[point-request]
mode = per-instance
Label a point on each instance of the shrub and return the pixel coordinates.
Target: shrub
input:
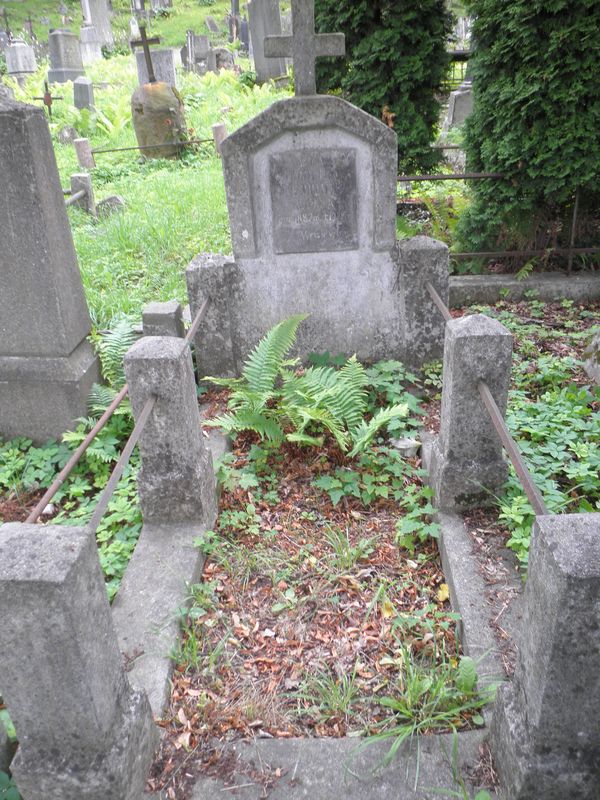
(395, 57)
(536, 120)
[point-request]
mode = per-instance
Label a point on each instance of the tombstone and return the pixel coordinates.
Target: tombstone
(97, 13)
(460, 105)
(47, 366)
(163, 62)
(83, 731)
(20, 60)
(195, 53)
(83, 93)
(264, 20)
(311, 195)
(245, 35)
(224, 59)
(65, 57)
(90, 44)
(211, 24)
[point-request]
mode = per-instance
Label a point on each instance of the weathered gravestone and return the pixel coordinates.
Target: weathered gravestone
(90, 44)
(97, 14)
(460, 106)
(163, 62)
(311, 194)
(65, 57)
(264, 20)
(20, 60)
(47, 366)
(212, 25)
(195, 53)
(83, 93)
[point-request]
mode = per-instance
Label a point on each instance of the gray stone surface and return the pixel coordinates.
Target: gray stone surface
(84, 734)
(321, 769)
(304, 46)
(110, 205)
(65, 57)
(99, 17)
(544, 732)
(467, 464)
(83, 92)
(550, 286)
(591, 358)
(176, 482)
(194, 54)
(212, 25)
(311, 194)
(85, 157)
(460, 106)
(20, 60)
(163, 62)
(82, 182)
(163, 319)
(90, 45)
(47, 366)
(264, 20)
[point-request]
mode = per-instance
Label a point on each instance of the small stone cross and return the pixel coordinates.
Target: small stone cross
(304, 46)
(48, 99)
(145, 43)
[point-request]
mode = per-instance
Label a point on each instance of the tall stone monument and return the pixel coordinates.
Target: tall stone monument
(47, 366)
(264, 20)
(311, 194)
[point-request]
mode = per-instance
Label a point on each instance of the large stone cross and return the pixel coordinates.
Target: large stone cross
(304, 46)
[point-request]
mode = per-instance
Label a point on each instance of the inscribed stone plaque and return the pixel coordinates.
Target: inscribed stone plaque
(314, 200)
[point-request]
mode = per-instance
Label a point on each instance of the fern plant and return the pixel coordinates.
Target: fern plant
(276, 401)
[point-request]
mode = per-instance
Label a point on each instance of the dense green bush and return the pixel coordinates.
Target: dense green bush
(395, 57)
(536, 120)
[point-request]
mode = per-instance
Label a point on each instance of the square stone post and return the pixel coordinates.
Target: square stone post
(84, 734)
(47, 366)
(176, 482)
(467, 464)
(163, 319)
(544, 733)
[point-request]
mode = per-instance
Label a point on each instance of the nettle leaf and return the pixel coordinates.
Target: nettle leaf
(466, 678)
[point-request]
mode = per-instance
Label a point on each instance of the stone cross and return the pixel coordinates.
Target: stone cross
(145, 43)
(304, 46)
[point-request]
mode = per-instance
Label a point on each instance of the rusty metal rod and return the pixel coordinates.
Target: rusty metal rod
(192, 330)
(76, 456)
(531, 490)
(443, 309)
(516, 253)
(150, 146)
(110, 487)
(573, 230)
(75, 197)
(462, 176)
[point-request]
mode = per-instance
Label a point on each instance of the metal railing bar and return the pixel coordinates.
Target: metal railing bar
(531, 490)
(193, 329)
(73, 460)
(108, 490)
(516, 253)
(442, 308)
(455, 176)
(150, 146)
(74, 197)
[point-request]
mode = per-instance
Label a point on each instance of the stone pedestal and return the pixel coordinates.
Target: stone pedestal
(163, 62)
(176, 482)
(20, 60)
(83, 93)
(158, 120)
(467, 464)
(65, 57)
(47, 366)
(90, 44)
(264, 20)
(544, 732)
(163, 319)
(84, 734)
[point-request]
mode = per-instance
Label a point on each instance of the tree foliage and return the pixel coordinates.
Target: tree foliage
(395, 57)
(536, 120)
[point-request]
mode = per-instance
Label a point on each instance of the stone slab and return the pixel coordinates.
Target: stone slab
(550, 286)
(320, 769)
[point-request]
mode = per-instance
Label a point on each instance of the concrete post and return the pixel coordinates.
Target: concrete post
(544, 732)
(219, 130)
(176, 482)
(81, 181)
(84, 734)
(163, 319)
(423, 259)
(47, 366)
(83, 150)
(467, 463)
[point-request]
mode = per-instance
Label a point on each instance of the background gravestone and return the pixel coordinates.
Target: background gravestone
(47, 366)
(20, 60)
(264, 20)
(65, 57)
(90, 44)
(83, 93)
(97, 13)
(163, 62)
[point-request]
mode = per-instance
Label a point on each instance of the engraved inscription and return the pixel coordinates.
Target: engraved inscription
(314, 200)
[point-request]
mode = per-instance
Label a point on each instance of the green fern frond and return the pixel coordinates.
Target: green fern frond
(265, 361)
(112, 346)
(303, 438)
(364, 433)
(245, 420)
(228, 383)
(303, 416)
(350, 400)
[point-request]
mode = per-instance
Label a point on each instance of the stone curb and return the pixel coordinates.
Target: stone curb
(548, 286)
